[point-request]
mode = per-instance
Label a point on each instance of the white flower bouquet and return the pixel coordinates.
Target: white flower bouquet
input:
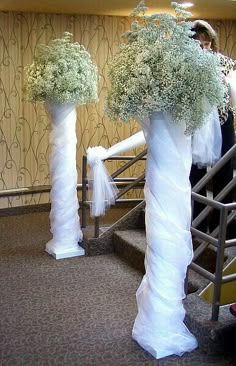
(62, 72)
(161, 68)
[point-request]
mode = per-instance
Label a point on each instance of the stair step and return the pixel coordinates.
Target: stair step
(141, 219)
(130, 245)
(214, 337)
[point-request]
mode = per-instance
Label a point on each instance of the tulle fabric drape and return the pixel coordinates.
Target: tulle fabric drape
(159, 326)
(231, 81)
(103, 190)
(207, 141)
(64, 219)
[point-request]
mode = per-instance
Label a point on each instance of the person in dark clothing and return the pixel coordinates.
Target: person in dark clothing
(206, 35)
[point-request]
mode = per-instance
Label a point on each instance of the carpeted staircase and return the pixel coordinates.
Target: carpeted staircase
(128, 240)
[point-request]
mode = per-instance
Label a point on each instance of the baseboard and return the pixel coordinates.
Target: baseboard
(21, 210)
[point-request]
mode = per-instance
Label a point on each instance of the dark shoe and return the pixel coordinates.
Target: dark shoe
(232, 309)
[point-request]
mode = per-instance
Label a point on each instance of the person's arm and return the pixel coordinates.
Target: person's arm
(231, 82)
(228, 68)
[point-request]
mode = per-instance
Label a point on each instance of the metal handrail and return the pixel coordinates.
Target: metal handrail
(129, 164)
(207, 177)
(129, 184)
(221, 243)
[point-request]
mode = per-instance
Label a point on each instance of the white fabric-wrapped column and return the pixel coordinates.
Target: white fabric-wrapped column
(64, 219)
(159, 326)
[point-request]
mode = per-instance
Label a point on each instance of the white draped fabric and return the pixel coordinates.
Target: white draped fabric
(64, 219)
(231, 81)
(103, 189)
(159, 326)
(207, 142)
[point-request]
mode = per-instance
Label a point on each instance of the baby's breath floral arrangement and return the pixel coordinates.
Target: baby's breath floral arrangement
(161, 68)
(61, 72)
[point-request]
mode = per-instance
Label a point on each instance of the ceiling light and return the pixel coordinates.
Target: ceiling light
(188, 5)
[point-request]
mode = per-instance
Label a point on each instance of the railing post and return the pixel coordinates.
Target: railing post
(219, 263)
(186, 282)
(84, 191)
(134, 183)
(96, 227)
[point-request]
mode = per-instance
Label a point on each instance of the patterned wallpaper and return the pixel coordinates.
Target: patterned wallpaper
(24, 127)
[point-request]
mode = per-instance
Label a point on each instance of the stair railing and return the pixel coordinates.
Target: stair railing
(126, 184)
(227, 215)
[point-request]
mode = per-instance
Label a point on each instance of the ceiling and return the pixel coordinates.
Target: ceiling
(208, 9)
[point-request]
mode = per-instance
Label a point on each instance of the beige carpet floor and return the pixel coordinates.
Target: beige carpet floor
(70, 312)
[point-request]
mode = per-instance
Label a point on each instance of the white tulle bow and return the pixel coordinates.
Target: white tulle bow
(103, 189)
(102, 186)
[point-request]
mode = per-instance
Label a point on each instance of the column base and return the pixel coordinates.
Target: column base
(62, 253)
